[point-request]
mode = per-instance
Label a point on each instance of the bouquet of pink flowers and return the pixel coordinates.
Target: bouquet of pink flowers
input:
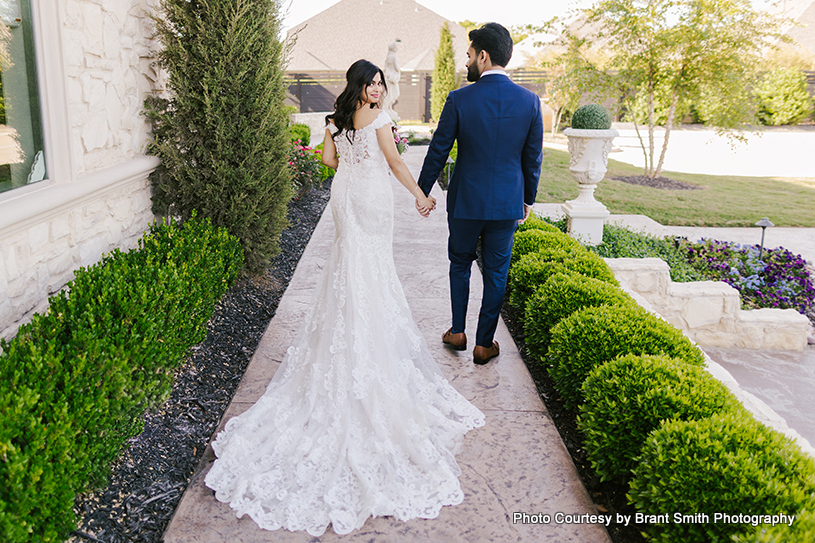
(401, 142)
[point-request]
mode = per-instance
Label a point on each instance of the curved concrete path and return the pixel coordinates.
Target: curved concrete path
(517, 463)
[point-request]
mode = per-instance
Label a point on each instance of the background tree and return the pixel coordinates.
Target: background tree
(572, 66)
(668, 55)
(222, 135)
(783, 97)
(444, 73)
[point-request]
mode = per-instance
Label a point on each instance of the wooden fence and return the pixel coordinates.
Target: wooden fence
(316, 91)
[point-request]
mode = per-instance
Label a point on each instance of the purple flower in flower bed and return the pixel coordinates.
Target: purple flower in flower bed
(779, 279)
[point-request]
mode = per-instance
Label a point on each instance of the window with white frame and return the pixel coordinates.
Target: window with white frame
(22, 160)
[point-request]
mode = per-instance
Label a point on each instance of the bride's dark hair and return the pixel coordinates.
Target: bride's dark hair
(359, 75)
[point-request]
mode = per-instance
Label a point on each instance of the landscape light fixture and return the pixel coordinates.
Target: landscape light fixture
(763, 223)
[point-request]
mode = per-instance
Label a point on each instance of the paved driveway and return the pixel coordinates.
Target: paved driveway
(774, 152)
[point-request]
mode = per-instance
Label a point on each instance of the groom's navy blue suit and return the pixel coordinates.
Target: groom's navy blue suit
(500, 147)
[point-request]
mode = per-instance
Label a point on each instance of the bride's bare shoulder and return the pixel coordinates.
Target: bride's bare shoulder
(365, 116)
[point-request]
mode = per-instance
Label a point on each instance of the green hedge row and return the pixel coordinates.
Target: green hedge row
(76, 381)
(651, 415)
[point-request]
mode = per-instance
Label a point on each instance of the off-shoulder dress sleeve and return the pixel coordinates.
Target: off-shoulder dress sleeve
(381, 120)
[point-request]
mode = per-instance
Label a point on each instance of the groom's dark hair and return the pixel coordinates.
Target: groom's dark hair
(495, 40)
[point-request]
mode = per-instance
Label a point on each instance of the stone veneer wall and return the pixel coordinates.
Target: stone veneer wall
(108, 65)
(709, 312)
(94, 60)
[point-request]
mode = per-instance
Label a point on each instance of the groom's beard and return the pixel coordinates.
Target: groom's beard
(473, 74)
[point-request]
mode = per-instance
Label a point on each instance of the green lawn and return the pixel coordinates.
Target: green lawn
(723, 201)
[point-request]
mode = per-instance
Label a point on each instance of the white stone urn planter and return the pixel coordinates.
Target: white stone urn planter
(588, 150)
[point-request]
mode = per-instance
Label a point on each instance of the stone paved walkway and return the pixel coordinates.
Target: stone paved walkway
(516, 463)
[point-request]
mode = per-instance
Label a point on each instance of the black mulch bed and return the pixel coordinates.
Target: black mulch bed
(609, 497)
(657, 182)
(150, 477)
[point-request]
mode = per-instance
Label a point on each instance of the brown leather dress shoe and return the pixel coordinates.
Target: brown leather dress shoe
(456, 341)
(482, 355)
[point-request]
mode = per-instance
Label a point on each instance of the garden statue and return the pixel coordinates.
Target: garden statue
(589, 144)
(392, 76)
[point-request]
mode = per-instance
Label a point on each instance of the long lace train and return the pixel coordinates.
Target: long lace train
(359, 420)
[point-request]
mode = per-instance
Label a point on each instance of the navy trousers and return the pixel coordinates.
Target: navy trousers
(496, 250)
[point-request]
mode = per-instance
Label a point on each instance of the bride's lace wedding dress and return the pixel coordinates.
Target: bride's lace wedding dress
(358, 421)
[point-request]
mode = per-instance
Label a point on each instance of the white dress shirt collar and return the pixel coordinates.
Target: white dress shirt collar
(494, 71)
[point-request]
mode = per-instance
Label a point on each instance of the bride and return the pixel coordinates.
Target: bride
(358, 421)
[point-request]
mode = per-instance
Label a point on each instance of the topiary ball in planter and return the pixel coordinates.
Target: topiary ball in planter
(591, 117)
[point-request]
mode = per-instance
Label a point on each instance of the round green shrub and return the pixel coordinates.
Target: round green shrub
(533, 222)
(560, 296)
(594, 335)
(531, 271)
(534, 269)
(591, 117)
(300, 132)
(783, 97)
(627, 398)
(729, 464)
(532, 241)
(802, 529)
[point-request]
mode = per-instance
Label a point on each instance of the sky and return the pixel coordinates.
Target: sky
(508, 12)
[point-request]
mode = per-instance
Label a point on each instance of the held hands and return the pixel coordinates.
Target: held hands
(424, 204)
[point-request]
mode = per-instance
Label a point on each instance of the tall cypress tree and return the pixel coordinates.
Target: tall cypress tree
(444, 73)
(222, 135)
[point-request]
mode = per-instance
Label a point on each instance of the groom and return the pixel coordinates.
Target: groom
(500, 147)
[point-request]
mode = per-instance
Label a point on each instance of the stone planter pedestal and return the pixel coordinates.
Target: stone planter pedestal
(588, 150)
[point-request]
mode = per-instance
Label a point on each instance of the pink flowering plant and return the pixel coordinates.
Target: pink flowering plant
(400, 141)
(305, 165)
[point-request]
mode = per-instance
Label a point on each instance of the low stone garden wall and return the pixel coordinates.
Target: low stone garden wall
(709, 312)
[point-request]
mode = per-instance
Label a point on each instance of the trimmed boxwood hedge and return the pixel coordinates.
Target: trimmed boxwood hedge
(533, 222)
(802, 530)
(76, 381)
(560, 296)
(728, 464)
(534, 269)
(594, 335)
(533, 240)
(627, 398)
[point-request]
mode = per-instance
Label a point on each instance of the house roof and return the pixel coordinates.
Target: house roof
(350, 30)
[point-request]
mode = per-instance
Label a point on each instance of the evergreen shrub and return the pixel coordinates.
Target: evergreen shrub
(300, 132)
(620, 242)
(802, 530)
(76, 381)
(533, 240)
(534, 269)
(533, 222)
(560, 296)
(783, 97)
(594, 335)
(223, 134)
(591, 117)
(727, 463)
(627, 398)
(444, 73)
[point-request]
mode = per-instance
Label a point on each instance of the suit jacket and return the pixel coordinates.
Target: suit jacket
(499, 130)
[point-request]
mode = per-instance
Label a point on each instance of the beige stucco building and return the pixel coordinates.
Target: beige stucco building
(76, 186)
